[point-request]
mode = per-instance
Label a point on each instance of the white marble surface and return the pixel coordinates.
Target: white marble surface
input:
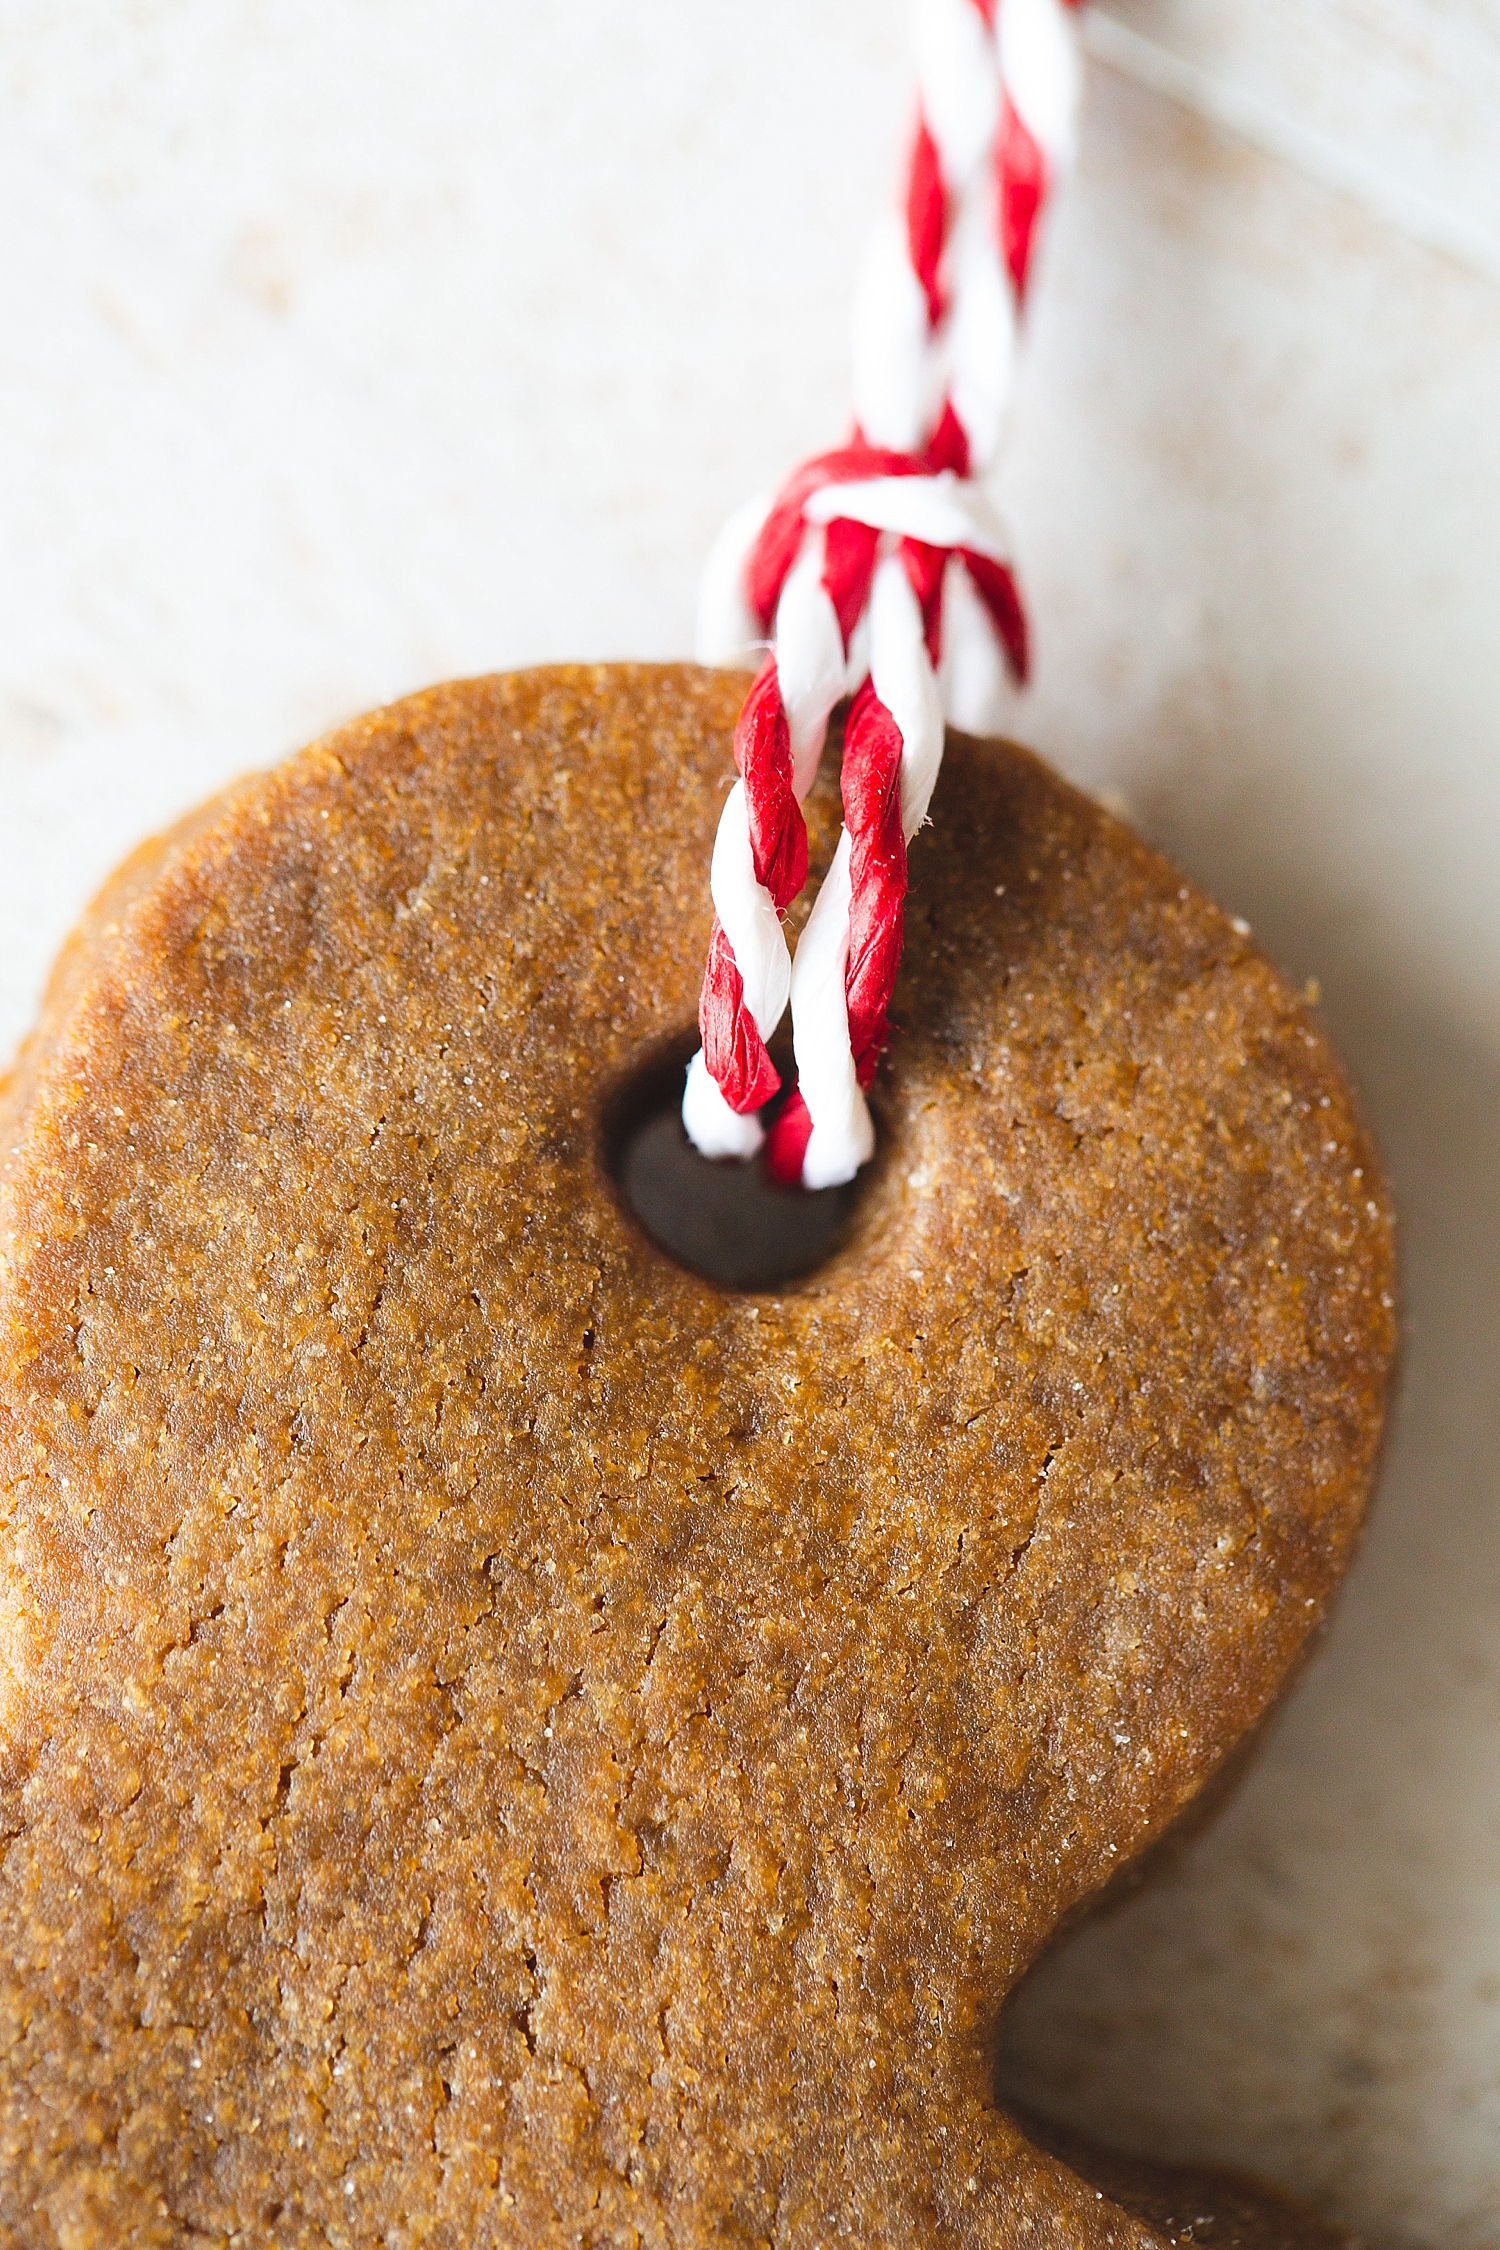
(348, 343)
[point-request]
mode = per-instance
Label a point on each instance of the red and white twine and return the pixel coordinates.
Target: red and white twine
(878, 572)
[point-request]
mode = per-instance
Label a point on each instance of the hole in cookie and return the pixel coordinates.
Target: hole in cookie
(731, 1223)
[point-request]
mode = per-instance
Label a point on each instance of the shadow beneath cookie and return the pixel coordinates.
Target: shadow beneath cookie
(1311, 1990)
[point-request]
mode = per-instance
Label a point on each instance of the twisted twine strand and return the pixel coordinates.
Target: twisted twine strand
(879, 573)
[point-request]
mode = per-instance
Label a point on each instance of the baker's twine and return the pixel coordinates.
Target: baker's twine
(878, 572)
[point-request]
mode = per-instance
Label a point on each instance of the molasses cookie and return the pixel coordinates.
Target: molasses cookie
(505, 1742)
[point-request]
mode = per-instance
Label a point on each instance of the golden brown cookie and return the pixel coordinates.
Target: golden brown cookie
(508, 1743)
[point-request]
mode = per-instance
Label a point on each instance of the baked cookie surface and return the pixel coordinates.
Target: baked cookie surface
(506, 1743)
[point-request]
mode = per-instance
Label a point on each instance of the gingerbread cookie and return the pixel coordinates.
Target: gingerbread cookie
(508, 1743)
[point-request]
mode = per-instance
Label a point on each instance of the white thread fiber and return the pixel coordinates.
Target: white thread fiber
(902, 676)
(945, 510)
(1040, 64)
(972, 676)
(809, 658)
(842, 1137)
(958, 80)
(727, 629)
(895, 377)
(977, 345)
(712, 1126)
(751, 922)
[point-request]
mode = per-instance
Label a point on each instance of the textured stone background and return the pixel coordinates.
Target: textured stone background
(347, 343)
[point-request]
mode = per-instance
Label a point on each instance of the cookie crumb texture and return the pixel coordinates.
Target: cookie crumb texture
(504, 1743)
